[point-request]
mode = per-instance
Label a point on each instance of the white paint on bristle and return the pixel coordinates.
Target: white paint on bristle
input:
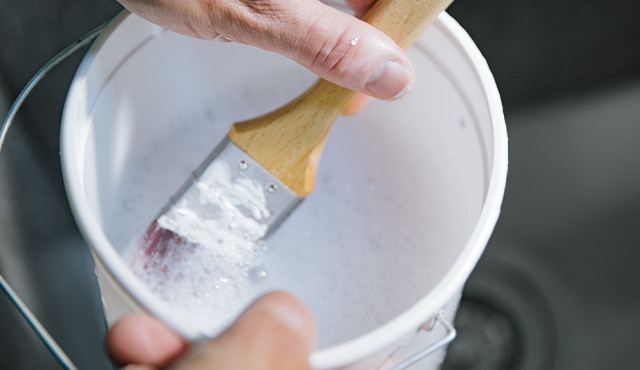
(216, 190)
(212, 269)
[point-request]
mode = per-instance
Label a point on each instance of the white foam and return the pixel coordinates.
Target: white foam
(210, 208)
(399, 188)
(209, 271)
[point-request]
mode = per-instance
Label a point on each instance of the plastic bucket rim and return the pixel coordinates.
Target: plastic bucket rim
(357, 348)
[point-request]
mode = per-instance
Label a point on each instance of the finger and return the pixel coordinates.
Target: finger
(330, 43)
(359, 6)
(350, 52)
(358, 103)
(277, 332)
(141, 339)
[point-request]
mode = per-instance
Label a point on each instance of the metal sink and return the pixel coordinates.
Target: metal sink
(557, 285)
(46, 262)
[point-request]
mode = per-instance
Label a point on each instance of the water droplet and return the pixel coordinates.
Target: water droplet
(243, 165)
(354, 41)
(258, 274)
(272, 188)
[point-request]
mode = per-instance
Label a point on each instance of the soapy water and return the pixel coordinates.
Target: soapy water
(202, 256)
(344, 253)
(208, 283)
(387, 220)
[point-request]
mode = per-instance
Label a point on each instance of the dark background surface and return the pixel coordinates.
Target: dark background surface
(558, 285)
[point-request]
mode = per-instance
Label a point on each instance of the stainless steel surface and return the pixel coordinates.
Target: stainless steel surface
(46, 262)
(558, 285)
(42, 254)
(31, 319)
(244, 174)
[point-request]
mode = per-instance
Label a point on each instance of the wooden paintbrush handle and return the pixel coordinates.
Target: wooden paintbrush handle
(288, 142)
(404, 20)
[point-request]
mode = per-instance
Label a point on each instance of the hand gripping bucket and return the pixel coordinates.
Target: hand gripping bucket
(407, 195)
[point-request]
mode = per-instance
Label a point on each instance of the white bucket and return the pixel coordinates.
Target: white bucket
(408, 192)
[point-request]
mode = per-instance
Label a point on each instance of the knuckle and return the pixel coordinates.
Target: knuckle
(337, 52)
(204, 20)
(220, 18)
(263, 7)
(249, 21)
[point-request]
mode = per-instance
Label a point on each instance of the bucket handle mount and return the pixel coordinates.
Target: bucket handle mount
(450, 335)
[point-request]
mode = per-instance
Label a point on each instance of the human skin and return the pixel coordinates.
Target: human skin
(276, 332)
(315, 35)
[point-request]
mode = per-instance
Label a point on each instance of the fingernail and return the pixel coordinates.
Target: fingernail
(290, 315)
(391, 80)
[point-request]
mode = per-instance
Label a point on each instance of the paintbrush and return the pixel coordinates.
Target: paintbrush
(265, 166)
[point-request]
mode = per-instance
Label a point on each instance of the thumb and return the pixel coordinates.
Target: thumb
(340, 48)
(330, 43)
(277, 332)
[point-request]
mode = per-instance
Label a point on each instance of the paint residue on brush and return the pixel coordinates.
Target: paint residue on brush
(206, 265)
(215, 190)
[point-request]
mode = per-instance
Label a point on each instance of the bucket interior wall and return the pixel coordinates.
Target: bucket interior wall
(400, 186)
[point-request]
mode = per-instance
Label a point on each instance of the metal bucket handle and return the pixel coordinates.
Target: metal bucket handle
(450, 335)
(450, 331)
(32, 320)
